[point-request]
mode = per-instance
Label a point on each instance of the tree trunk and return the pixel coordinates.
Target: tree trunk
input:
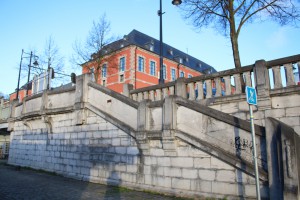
(234, 43)
(235, 50)
(233, 36)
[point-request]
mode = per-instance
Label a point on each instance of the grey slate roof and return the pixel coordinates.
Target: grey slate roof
(144, 41)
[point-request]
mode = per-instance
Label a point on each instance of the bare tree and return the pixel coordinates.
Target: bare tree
(229, 16)
(93, 48)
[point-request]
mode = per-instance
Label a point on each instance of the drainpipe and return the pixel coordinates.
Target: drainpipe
(178, 65)
(135, 67)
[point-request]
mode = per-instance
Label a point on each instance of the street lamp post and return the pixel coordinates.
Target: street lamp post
(17, 96)
(29, 66)
(160, 13)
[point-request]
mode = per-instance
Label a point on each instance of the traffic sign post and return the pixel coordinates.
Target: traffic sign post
(252, 100)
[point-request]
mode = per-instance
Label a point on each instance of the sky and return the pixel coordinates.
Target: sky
(27, 24)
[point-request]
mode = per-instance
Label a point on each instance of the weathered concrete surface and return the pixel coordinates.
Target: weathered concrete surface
(105, 137)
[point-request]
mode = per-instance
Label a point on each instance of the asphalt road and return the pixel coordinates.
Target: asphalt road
(22, 183)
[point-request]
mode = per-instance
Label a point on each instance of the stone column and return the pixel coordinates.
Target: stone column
(169, 126)
(143, 126)
(81, 97)
(262, 83)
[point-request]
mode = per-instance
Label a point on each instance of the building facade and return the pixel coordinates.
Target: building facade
(134, 59)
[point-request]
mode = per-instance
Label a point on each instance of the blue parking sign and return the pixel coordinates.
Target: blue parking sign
(251, 95)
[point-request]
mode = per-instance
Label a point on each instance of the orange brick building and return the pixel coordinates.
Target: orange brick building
(22, 93)
(135, 60)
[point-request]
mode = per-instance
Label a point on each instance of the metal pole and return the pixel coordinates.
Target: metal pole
(28, 73)
(18, 87)
(161, 70)
(254, 153)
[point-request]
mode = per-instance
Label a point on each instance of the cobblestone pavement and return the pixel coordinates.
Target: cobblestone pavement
(30, 184)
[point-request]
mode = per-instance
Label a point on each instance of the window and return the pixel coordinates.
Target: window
(104, 71)
(190, 76)
(122, 78)
(152, 68)
(141, 64)
(173, 74)
(164, 72)
(122, 64)
(181, 74)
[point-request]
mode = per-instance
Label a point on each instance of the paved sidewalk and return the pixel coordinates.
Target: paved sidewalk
(30, 184)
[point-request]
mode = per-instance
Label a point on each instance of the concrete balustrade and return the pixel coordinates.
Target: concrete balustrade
(220, 84)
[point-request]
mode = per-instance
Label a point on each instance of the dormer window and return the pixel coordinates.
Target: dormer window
(186, 59)
(180, 60)
(151, 47)
(170, 51)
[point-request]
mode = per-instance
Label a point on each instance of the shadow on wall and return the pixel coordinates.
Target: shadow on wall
(87, 156)
(242, 144)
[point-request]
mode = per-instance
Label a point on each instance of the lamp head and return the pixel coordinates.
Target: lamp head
(35, 63)
(176, 2)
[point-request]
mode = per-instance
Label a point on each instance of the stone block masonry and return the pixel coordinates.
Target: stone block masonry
(93, 151)
(100, 152)
(173, 146)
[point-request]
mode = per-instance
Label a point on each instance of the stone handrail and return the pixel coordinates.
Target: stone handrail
(220, 83)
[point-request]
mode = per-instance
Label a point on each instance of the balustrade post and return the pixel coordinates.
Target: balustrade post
(165, 92)
(227, 85)
(247, 76)
(199, 86)
(151, 95)
(208, 89)
(140, 96)
(180, 87)
(218, 87)
(290, 79)
(146, 95)
(237, 82)
(277, 77)
(158, 95)
(134, 97)
(192, 95)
